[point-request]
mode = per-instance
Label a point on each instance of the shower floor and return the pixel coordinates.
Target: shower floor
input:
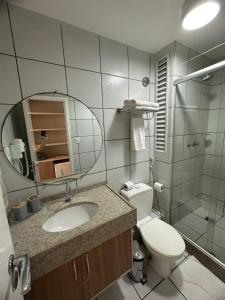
(195, 226)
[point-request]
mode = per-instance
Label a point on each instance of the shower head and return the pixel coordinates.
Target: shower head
(207, 77)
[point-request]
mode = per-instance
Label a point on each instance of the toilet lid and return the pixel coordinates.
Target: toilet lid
(162, 238)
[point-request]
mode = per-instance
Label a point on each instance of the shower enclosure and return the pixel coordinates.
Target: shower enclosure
(198, 163)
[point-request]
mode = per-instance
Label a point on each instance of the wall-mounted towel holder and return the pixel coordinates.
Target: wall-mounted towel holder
(144, 111)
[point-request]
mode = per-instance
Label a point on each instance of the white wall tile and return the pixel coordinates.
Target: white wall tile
(163, 173)
(138, 91)
(193, 94)
(188, 169)
(139, 63)
(90, 179)
(116, 124)
(187, 191)
(179, 119)
(177, 169)
(9, 81)
(181, 56)
(100, 163)
(140, 172)
(181, 94)
(36, 36)
(115, 91)
(81, 48)
(114, 58)
(12, 179)
(178, 142)
(117, 153)
(6, 45)
(21, 195)
(37, 77)
(85, 86)
(117, 177)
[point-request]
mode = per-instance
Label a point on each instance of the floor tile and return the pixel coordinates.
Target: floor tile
(165, 290)
(121, 290)
(221, 223)
(195, 222)
(186, 230)
(179, 260)
(153, 280)
(196, 282)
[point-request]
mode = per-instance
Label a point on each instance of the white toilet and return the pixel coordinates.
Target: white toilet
(164, 243)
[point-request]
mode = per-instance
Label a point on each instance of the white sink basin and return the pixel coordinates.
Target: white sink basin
(70, 217)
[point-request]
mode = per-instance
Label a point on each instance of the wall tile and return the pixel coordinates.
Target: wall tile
(188, 169)
(91, 179)
(6, 45)
(114, 58)
(100, 163)
(85, 86)
(116, 124)
(138, 91)
(179, 118)
(21, 195)
(117, 177)
(37, 77)
(117, 153)
(187, 191)
(36, 36)
(115, 91)
(9, 81)
(140, 172)
(81, 48)
(181, 56)
(193, 94)
(13, 180)
(139, 63)
(163, 173)
(178, 148)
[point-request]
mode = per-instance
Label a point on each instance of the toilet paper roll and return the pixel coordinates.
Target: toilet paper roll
(158, 187)
(129, 185)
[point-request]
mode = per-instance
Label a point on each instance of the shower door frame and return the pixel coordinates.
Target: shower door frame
(212, 210)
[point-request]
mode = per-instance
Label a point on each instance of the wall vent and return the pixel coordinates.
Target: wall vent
(161, 99)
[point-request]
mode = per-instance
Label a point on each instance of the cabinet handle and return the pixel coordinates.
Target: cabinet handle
(75, 269)
(87, 262)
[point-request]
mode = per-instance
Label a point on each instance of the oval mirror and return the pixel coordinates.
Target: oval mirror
(49, 136)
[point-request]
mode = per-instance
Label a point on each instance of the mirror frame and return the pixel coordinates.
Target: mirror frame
(62, 179)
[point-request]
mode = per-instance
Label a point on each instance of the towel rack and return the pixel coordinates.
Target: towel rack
(119, 110)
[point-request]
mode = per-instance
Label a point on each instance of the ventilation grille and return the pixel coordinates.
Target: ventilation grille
(161, 99)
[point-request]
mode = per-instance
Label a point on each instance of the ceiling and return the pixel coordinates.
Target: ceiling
(145, 24)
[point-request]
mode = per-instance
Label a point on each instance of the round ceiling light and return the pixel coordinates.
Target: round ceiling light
(197, 14)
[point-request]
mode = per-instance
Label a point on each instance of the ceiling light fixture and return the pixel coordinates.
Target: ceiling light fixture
(198, 13)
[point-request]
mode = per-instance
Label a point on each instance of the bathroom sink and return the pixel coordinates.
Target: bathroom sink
(70, 217)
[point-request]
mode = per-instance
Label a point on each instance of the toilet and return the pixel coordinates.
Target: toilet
(163, 242)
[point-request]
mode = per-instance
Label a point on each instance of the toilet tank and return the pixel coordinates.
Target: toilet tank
(141, 197)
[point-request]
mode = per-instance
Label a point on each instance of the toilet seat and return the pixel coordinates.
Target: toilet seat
(162, 238)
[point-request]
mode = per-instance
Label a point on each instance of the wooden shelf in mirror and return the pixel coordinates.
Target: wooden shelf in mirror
(55, 144)
(60, 157)
(49, 129)
(45, 114)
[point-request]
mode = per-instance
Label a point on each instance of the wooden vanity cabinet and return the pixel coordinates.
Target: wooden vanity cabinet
(86, 275)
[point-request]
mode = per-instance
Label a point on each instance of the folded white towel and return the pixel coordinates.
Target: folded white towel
(137, 134)
(137, 103)
(144, 108)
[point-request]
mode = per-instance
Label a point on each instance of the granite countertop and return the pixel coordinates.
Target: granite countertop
(49, 250)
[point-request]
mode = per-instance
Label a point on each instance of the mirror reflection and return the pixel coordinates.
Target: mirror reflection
(49, 136)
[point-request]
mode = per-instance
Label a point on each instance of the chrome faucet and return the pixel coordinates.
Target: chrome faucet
(69, 194)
